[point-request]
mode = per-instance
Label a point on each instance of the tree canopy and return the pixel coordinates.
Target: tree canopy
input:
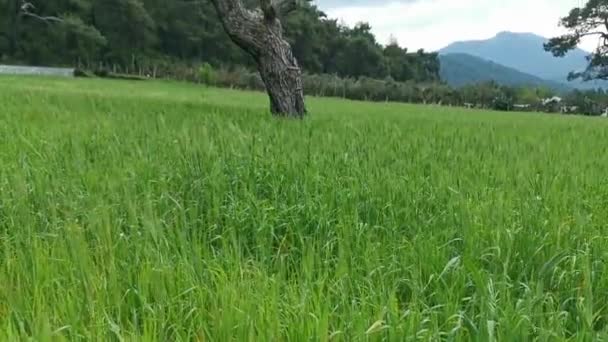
(590, 20)
(143, 33)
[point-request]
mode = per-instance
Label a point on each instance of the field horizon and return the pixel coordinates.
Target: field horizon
(160, 211)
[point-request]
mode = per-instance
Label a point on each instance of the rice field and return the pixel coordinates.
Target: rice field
(160, 211)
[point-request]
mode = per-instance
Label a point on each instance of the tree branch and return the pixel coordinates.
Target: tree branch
(26, 10)
(597, 33)
(240, 23)
(284, 7)
(274, 8)
(228, 6)
(45, 19)
(268, 9)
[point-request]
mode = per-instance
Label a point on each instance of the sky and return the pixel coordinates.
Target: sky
(433, 24)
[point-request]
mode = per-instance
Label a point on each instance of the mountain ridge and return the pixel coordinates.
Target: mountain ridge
(524, 52)
(458, 69)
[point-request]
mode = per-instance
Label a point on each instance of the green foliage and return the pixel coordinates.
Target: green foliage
(590, 20)
(160, 211)
(206, 74)
(127, 26)
(140, 36)
(458, 69)
(488, 95)
(80, 41)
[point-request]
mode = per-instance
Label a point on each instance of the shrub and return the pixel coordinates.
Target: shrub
(102, 72)
(206, 74)
(82, 73)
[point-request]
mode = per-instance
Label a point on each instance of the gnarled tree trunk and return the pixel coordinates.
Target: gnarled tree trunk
(259, 32)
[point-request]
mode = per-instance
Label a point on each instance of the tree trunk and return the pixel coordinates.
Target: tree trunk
(259, 32)
(283, 80)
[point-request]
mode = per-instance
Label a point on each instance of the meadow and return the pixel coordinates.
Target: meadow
(160, 211)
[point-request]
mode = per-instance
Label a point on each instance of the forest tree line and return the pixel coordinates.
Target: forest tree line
(174, 38)
(484, 95)
(153, 36)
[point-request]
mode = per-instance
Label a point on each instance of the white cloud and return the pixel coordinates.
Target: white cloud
(433, 24)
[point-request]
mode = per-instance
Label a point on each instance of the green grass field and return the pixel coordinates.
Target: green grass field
(160, 211)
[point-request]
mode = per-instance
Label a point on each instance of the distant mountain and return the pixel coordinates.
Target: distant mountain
(459, 69)
(524, 52)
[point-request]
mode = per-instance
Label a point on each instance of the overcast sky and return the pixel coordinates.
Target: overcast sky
(433, 24)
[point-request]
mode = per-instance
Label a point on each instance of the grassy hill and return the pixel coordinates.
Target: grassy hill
(461, 69)
(159, 211)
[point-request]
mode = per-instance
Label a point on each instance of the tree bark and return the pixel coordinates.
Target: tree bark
(259, 32)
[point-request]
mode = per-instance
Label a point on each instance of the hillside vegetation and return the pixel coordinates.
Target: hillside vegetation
(160, 211)
(523, 52)
(460, 69)
(173, 38)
